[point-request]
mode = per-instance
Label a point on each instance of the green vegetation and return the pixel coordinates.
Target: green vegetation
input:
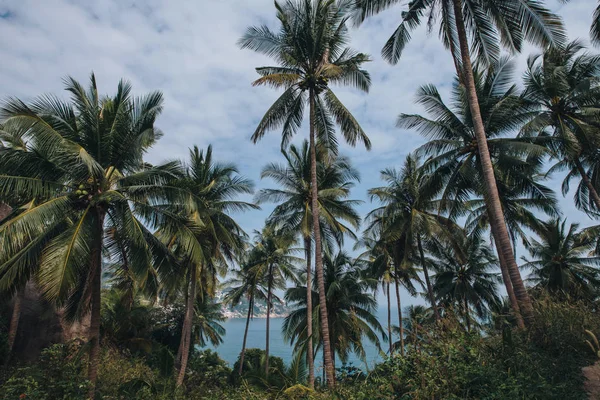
(121, 263)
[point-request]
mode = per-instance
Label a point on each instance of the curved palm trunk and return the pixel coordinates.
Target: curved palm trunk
(586, 181)
(186, 331)
(400, 322)
(309, 342)
(389, 316)
(96, 286)
(497, 223)
(250, 307)
(436, 312)
(269, 289)
(329, 368)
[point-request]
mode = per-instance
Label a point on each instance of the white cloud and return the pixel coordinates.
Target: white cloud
(188, 50)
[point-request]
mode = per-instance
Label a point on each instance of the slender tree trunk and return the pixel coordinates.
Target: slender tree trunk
(329, 368)
(186, 331)
(309, 342)
(180, 347)
(511, 293)
(14, 320)
(497, 222)
(588, 183)
(96, 287)
(269, 289)
(389, 317)
(467, 318)
(400, 322)
(436, 313)
(250, 307)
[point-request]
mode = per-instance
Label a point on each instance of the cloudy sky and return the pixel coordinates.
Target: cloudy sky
(187, 49)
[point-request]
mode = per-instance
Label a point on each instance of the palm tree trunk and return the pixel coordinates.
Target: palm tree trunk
(329, 368)
(309, 343)
(467, 318)
(96, 287)
(389, 316)
(186, 331)
(400, 322)
(497, 223)
(269, 289)
(588, 183)
(250, 307)
(14, 319)
(511, 293)
(436, 313)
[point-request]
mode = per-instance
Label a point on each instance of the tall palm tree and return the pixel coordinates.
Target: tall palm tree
(245, 284)
(455, 161)
(211, 236)
(489, 26)
(311, 51)
(410, 213)
(272, 259)
(564, 85)
(463, 275)
(561, 261)
(335, 178)
(351, 307)
(83, 177)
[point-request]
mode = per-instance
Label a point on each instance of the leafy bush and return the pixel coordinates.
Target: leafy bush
(207, 374)
(57, 375)
(254, 370)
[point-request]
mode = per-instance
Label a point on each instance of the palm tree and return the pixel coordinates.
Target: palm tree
(272, 259)
(350, 305)
(455, 159)
(561, 261)
(212, 236)
(489, 26)
(311, 51)
(384, 260)
(245, 284)
(463, 276)
(207, 321)
(418, 319)
(564, 85)
(335, 178)
(409, 214)
(380, 265)
(82, 176)
(11, 139)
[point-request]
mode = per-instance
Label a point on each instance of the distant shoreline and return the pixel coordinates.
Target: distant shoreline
(262, 316)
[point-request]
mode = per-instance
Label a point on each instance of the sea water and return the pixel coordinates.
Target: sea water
(230, 349)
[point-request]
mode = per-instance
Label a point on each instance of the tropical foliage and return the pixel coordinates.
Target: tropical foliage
(116, 274)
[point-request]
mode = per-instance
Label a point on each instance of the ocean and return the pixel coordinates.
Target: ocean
(230, 349)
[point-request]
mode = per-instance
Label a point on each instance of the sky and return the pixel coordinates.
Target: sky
(187, 50)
